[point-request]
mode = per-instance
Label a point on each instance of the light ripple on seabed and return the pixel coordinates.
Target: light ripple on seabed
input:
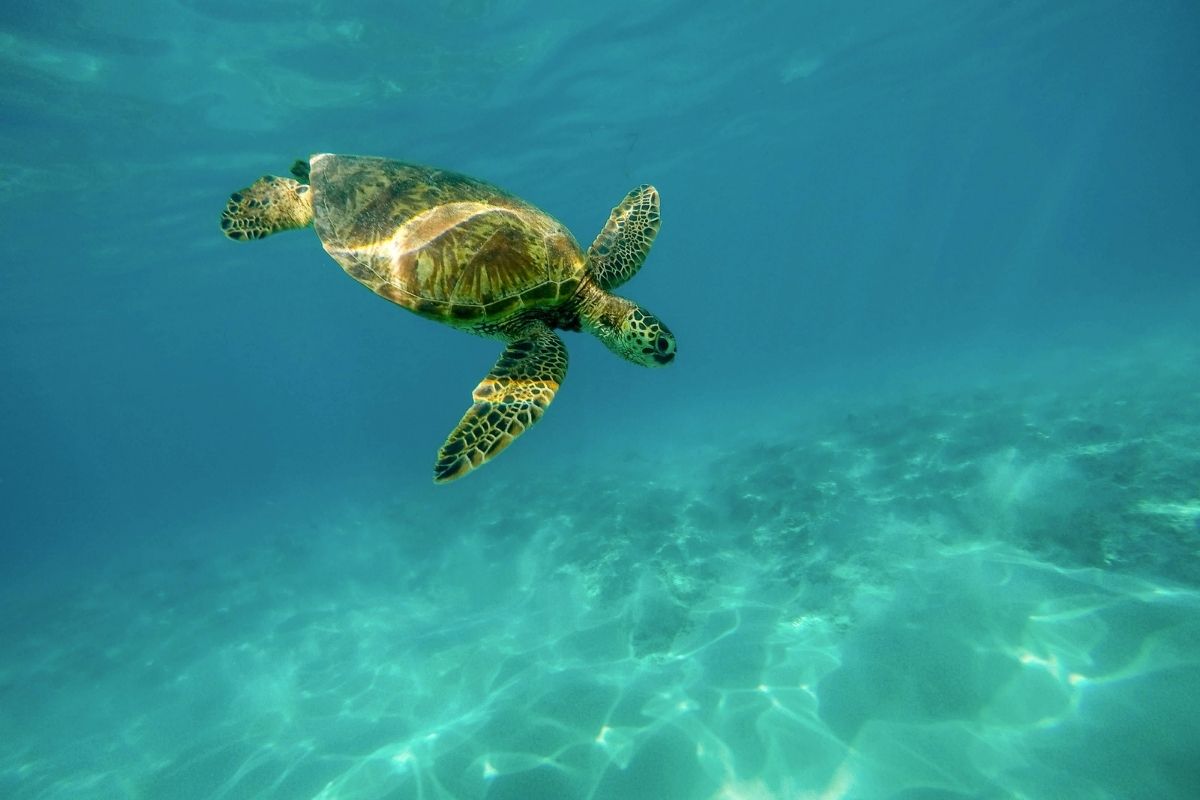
(974, 595)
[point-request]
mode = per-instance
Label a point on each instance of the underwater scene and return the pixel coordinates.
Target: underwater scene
(875, 476)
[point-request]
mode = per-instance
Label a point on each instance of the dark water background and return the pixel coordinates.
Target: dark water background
(870, 211)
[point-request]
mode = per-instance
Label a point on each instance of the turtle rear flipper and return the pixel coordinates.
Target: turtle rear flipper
(621, 247)
(507, 402)
(267, 206)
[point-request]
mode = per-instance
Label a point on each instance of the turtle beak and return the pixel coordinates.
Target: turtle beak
(664, 348)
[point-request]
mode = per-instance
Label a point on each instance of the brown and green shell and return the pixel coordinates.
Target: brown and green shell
(441, 244)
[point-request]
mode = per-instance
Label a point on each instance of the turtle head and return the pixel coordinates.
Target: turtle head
(267, 206)
(631, 331)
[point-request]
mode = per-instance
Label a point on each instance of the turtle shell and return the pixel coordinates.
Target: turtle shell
(441, 244)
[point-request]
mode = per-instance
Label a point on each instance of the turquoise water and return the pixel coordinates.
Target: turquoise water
(914, 515)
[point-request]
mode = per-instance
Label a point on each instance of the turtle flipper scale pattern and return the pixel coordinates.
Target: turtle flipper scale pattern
(508, 401)
(622, 246)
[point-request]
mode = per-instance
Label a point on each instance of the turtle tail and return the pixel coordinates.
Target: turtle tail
(267, 206)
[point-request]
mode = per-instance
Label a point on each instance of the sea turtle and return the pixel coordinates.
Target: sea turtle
(460, 251)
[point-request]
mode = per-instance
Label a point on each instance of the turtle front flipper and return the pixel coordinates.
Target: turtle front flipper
(621, 247)
(507, 402)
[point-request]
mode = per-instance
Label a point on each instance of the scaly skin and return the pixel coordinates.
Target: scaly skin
(267, 206)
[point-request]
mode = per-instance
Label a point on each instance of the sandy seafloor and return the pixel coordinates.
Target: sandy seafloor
(987, 589)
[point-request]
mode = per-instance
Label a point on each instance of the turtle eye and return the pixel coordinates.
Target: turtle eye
(662, 344)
